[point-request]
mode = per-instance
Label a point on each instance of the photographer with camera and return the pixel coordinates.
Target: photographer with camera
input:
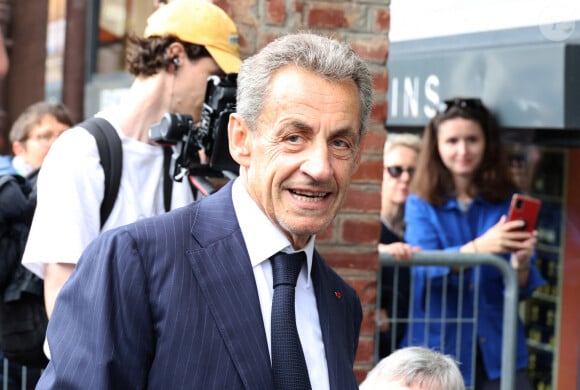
(184, 43)
(201, 148)
(230, 292)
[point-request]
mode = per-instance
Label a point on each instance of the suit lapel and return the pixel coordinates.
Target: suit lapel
(223, 270)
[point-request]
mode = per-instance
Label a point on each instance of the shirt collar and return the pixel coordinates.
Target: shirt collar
(263, 239)
(453, 203)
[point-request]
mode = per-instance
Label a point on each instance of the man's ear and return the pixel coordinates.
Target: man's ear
(240, 139)
(174, 57)
(18, 148)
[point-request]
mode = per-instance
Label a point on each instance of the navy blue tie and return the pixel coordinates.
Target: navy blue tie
(288, 363)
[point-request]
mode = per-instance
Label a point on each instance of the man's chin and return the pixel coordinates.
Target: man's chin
(308, 228)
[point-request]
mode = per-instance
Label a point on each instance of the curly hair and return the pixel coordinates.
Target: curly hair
(147, 56)
(492, 180)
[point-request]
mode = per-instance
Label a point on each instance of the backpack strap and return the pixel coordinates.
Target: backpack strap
(111, 155)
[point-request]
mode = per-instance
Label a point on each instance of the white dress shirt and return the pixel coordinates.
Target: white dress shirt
(263, 239)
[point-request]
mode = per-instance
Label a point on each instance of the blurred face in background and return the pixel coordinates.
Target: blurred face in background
(461, 145)
(34, 148)
(398, 168)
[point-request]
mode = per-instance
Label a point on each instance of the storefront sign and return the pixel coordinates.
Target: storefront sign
(527, 86)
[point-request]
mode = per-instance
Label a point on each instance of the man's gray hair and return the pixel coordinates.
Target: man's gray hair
(327, 57)
(416, 366)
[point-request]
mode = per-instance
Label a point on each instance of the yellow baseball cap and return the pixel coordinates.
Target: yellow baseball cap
(202, 23)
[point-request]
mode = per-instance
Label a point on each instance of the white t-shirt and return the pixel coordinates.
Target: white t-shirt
(71, 189)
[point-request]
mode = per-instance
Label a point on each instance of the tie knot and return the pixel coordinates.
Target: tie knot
(286, 267)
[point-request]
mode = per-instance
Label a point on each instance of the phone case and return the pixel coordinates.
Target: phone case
(525, 208)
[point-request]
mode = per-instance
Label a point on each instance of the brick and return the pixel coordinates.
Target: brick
(360, 231)
(327, 18)
(382, 19)
(371, 200)
(368, 171)
(368, 323)
(340, 16)
(265, 37)
(381, 81)
(373, 50)
(374, 143)
(365, 286)
(365, 351)
(347, 260)
(275, 12)
(379, 112)
(299, 6)
(225, 5)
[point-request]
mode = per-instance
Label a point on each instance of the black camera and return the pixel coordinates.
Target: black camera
(201, 148)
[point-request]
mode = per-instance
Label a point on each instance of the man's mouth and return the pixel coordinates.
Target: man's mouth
(309, 196)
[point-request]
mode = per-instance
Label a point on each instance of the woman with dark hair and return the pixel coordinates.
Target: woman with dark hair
(460, 196)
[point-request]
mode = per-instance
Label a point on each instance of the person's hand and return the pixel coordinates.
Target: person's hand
(520, 259)
(399, 250)
(384, 321)
(504, 237)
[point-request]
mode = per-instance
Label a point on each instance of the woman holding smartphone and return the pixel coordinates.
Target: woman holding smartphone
(460, 197)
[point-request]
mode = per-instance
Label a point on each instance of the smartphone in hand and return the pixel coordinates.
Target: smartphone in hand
(524, 208)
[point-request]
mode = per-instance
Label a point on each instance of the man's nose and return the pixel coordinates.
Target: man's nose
(317, 162)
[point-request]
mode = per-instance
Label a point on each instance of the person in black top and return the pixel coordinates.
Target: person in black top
(399, 158)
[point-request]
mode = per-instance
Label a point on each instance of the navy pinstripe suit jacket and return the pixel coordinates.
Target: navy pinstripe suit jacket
(171, 302)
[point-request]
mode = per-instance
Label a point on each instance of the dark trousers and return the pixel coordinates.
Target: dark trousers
(482, 382)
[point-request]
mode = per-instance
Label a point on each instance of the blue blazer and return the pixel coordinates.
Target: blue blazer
(170, 302)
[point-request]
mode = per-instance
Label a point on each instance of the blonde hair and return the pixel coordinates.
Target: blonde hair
(409, 140)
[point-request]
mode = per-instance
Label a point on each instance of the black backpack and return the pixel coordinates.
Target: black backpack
(23, 319)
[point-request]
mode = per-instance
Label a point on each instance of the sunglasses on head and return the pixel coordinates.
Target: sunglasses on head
(473, 104)
(395, 171)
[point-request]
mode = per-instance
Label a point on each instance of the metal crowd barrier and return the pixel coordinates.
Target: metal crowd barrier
(9, 374)
(462, 261)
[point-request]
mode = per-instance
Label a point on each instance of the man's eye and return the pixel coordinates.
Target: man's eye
(293, 138)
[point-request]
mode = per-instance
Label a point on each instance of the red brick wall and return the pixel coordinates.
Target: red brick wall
(349, 244)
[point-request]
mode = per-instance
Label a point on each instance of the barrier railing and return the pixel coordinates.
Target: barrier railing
(463, 261)
(14, 378)
(17, 377)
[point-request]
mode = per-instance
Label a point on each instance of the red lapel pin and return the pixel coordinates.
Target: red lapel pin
(338, 294)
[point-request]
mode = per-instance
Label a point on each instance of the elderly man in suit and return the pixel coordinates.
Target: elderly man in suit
(185, 300)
